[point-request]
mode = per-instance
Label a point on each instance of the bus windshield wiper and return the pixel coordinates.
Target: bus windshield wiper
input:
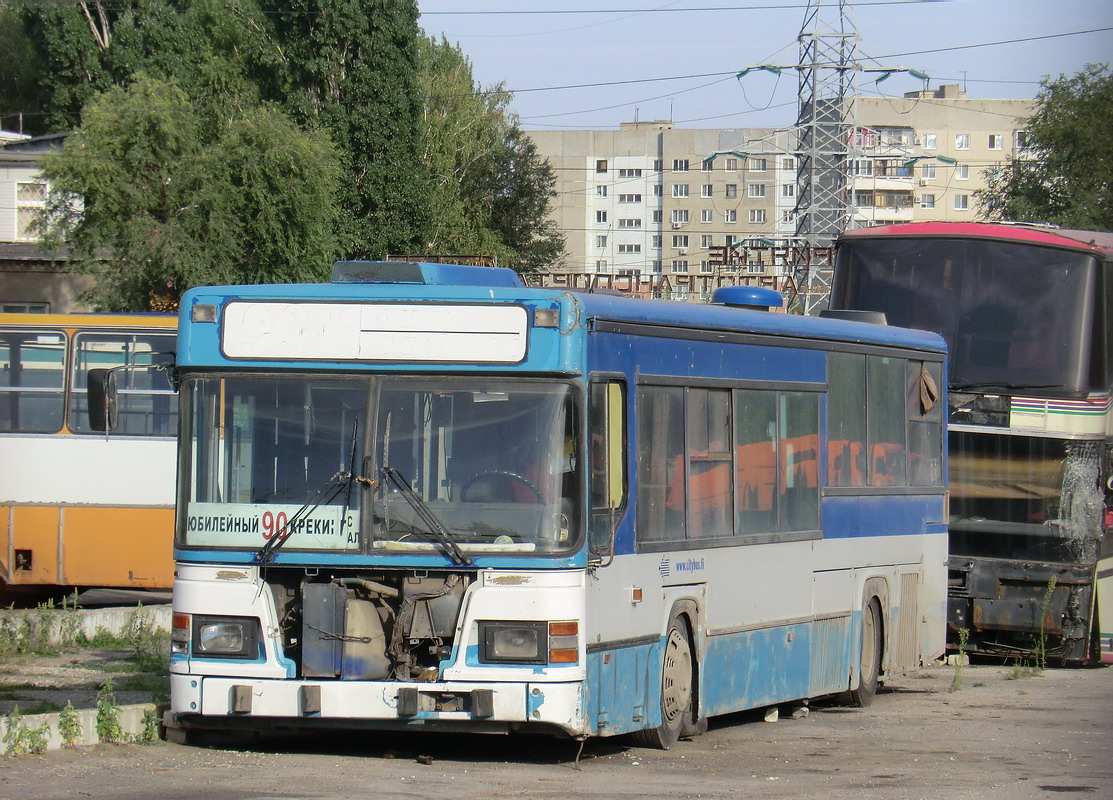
(329, 491)
(434, 526)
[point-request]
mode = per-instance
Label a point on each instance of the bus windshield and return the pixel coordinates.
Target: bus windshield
(1024, 497)
(492, 463)
(1016, 317)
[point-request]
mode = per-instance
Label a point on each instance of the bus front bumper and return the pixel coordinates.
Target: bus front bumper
(235, 703)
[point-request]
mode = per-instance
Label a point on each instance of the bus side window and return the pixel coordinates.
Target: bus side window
(607, 437)
(661, 498)
(925, 423)
(31, 381)
(755, 442)
(846, 420)
(147, 403)
(799, 460)
(886, 420)
(710, 464)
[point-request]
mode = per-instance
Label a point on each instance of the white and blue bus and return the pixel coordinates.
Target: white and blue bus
(426, 497)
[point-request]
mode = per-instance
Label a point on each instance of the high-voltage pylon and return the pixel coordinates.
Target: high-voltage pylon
(825, 126)
(828, 139)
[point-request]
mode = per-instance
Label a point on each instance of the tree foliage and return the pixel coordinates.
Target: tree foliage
(155, 194)
(461, 128)
(422, 161)
(1064, 175)
(491, 191)
(523, 197)
(352, 69)
(20, 89)
(82, 49)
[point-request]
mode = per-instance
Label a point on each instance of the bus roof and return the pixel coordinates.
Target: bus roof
(677, 319)
(1098, 242)
(727, 318)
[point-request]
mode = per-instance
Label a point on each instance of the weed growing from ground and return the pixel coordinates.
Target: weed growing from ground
(1022, 669)
(19, 739)
(69, 726)
(1041, 639)
(108, 713)
(149, 734)
(150, 645)
(963, 637)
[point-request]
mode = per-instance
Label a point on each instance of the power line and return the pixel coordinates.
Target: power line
(540, 12)
(995, 44)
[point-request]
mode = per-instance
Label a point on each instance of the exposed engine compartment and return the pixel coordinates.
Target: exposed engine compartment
(368, 626)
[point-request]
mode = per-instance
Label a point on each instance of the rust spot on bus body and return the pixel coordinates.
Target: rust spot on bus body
(509, 580)
(231, 575)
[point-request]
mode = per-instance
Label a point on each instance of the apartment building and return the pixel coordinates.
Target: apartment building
(652, 199)
(922, 157)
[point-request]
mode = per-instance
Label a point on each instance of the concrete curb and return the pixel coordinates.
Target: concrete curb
(130, 718)
(62, 626)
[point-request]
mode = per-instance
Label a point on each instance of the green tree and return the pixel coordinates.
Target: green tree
(156, 193)
(352, 71)
(81, 49)
(462, 127)
(490, 190)
(523, 199)
(1064, 175)
(413, 131)
(20, 89)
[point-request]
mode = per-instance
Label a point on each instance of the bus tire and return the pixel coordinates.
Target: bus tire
(869, 658)
(677, 679)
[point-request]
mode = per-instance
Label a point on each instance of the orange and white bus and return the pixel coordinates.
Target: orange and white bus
(79, 509)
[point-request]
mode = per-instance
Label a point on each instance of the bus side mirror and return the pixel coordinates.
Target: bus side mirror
(103, 400)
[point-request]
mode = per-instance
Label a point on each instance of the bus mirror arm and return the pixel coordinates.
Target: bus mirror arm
(173, 377)
(605, 557)
(103, 394)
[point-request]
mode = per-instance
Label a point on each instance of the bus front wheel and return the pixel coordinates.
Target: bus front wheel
(869, 664)
(677, 672)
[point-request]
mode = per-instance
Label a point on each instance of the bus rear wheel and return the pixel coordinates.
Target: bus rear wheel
(677, 678)
(869, 662)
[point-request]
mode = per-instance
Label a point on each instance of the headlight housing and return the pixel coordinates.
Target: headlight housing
(225, 637)
(514, 642)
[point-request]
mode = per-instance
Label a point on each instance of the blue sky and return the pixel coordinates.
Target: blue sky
(698, 49)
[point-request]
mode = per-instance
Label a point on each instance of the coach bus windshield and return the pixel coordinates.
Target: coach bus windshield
(1016, 317)
(363, 465)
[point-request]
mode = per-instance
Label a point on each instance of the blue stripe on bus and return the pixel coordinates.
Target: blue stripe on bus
(712, 360)
(883, 515)
(843, 517)
(355, 560)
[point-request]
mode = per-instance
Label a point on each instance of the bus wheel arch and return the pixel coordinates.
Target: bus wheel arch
(678, 692)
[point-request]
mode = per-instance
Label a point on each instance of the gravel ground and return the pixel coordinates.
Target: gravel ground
(31, 681)
(1005, 735)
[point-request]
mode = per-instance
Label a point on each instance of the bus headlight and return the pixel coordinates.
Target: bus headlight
(507, 642)
(226, 637)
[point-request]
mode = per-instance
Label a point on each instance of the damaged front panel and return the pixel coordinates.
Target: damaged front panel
(1026, 526)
